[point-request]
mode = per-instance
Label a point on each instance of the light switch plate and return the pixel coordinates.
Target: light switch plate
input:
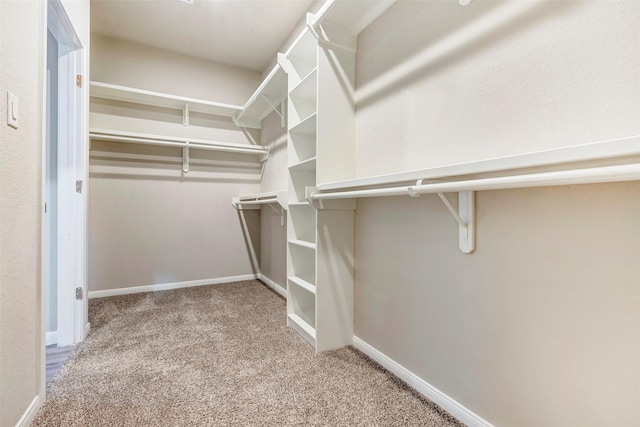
(13, 110)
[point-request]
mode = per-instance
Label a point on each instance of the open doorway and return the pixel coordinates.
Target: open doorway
(64, 172)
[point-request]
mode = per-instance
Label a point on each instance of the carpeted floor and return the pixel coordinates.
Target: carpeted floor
(219, 355)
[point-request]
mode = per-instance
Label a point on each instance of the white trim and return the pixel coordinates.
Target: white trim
(30, 413)
(279, 289)
(167, 286)
(87, 329)
(51, 338)
(447, 403)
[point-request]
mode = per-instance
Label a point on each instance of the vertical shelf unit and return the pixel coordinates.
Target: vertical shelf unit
(321, 136)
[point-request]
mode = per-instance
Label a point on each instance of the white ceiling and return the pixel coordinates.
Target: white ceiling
(244, 33)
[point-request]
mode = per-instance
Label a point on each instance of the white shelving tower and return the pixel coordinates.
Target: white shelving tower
(321, 136)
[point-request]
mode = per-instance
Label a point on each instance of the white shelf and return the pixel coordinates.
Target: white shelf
(271, 92)
(303, 328)
(353, 15)
(309, 287)
(176, 141)
(306, 165)
(158, 99)
(303, 244)
(256, 201)
(598, 152)
(307, 87)
(306, 126)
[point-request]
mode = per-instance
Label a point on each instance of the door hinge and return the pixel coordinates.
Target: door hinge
(79, 80)
(79, 186)
(79, 293)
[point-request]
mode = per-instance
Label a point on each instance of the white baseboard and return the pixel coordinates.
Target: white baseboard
(167, 286)
(279, 289)
(461, 413)
(51, 338)
(87, 329)
(30, 413)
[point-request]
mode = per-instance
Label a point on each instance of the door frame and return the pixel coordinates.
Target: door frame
(72, 327)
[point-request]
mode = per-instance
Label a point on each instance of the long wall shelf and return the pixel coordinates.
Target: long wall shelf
(602, 152)
(158, 99)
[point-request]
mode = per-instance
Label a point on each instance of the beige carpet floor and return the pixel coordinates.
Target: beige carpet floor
(216, 356)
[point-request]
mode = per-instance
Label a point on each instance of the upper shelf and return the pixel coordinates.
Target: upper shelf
(354, 15)
(157, 99)
(267, 98)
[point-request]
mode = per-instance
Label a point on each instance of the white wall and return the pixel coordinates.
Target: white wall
(540, 326)
(22, 36)
(149, 222)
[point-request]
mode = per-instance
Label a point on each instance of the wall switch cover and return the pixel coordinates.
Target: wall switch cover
(13, 110)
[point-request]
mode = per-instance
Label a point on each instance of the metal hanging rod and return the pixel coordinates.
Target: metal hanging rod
(177, 142)
(630, 172)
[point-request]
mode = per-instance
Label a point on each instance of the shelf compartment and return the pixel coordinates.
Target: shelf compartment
(303, 305)
(302, 56)
(303, 263)
(307, 88)
(304, 284)
(303, 226)
(300, 109)
(306, 126)
(302, 146)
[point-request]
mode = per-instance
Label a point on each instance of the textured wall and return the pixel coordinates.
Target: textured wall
(540, 326)
(21, 37)
(493, 79)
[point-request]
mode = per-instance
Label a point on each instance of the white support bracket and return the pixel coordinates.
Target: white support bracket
(185, 157)
(464, 2)
(279, 111)
(185, 115)
(280, 211)
(323, 42)
(465, 216)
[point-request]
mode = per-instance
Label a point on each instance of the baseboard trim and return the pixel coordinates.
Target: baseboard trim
(167, 286)
(51, 338)
(30, 413)
(279, 289)
(460, 412)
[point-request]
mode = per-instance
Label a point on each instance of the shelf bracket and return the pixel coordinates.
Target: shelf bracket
(185, 157)
(313, 26)
(185, 115)
(465, 216)
(279, 111)
(279, 211)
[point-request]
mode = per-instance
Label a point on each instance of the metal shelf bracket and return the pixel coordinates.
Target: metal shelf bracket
(185, 115)
(185, 157)
(465, 216)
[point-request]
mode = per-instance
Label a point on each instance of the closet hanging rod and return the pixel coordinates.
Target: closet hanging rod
(196, 144)
(629, 172)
